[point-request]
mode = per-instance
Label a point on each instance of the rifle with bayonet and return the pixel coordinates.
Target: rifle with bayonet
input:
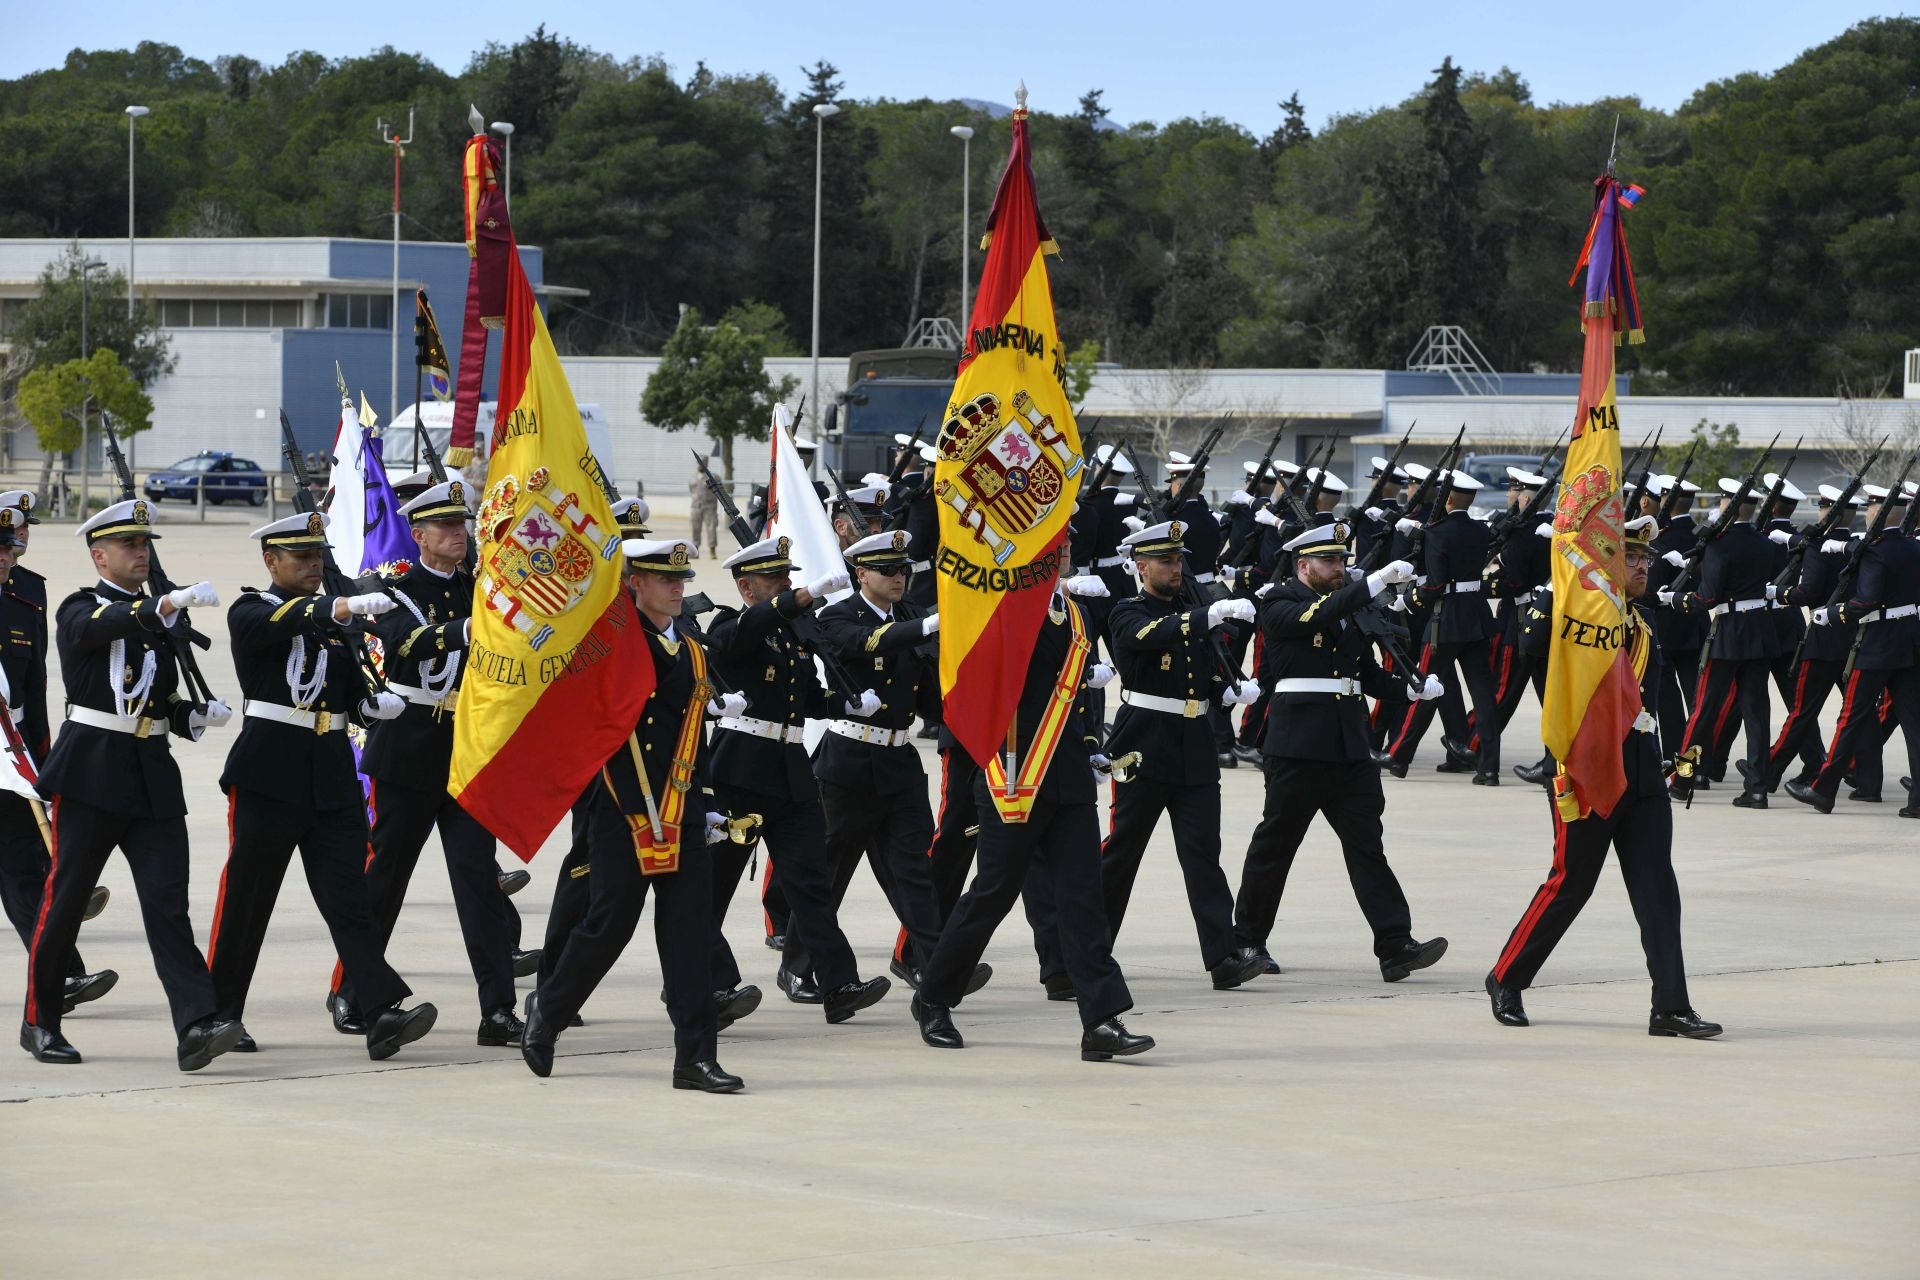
(1378, 489)
(1643, 460)
(1190, 485)
(1678, 489)
(1722, 520)
(1822, 529)
(333, 580)
(1420, 500)
(1190, 596)
(805, 626)
(181, 634)
(1316, 473)
(1850, 572)
(1764, 515)
(908, 452)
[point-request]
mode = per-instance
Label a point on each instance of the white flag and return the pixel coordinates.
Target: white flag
(347, 533)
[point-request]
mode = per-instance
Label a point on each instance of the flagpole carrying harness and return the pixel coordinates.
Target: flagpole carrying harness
(1015, 803)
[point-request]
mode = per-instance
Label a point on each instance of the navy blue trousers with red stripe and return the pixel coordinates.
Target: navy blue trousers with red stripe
(1725, 684)
(1860, 732)
(1640, 832)
(1805, 697)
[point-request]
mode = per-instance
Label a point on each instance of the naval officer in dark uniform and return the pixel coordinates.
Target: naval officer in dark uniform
(113, 783)
(1170, 684)
(1315, 752)
(290, 781)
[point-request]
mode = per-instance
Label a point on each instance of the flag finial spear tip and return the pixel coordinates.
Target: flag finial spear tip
(476, 121)
(1020, 95)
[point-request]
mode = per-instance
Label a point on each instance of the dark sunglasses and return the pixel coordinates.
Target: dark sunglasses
(886, 570)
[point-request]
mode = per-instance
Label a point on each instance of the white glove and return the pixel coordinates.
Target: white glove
(1125, 499)
(826, 584)
(1406, 524)
(1425, 692)
(384, 705)
(1375, 513)
(1397, 603)
(1266, 591)
(216, 714)
(717, 822)
(1240, 694)
(200, 595)
(1664, 596)
(1390, 574)
(1134, 523)
(1102, 766)
(1220, 610)
(1089, 585)
(1675, 559)
(369, 606)
(1834, 546)
(1780, 536)
(869, 704)
(1822, 618)
(1239, 498)
(930, 625)
(1544, 529)
(1099, 676)
(1266, 516)
(1772, 590)
(1230, 575)
(727, 704)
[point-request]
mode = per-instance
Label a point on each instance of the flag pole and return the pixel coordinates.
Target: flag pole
(1013, 756)
(419, 333)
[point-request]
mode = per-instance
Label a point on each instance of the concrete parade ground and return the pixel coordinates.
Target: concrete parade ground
(1318, 1123)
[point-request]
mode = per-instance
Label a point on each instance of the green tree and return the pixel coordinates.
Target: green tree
(1082, 364)
(61, 402)
(1720, 453)
(716, 379)
(45, 330)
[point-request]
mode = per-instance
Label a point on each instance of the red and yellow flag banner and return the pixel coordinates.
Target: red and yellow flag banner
(1592, 695)
(1008, 469)
(558, 667)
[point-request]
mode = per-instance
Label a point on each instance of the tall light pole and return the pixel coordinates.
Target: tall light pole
(505, 129)
(965, 134)
(133, 113)
(820, 114)
(87, 269)
(389, 138)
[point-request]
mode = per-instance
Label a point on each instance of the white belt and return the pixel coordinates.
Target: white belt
(1645, 722)
(1887, 615)
(138, 726)
(1203, 577)
(1342, 688)
(1738, 606)
(421, 698)
(764, 728)
(1109, 562)
(920, 566)
(18, 714)
(1187, 707)
(870, 733)
(318, 721)
(1463, 588)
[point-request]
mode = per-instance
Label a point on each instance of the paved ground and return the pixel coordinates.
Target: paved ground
(1317, 1123)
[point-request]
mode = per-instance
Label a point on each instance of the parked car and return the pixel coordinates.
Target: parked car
(219, 475)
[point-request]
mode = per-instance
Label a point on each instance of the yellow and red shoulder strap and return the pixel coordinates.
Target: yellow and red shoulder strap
(1046, 737)
(663, 856)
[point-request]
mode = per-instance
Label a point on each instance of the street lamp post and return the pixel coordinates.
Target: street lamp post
(391, 137)
(820, 114)
(87, 269)
(505, 129)
(965, 134)
(133, 113)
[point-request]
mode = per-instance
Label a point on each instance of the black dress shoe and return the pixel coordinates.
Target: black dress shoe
(1682, 1022)
(246, 1044)
(500, 1030)
(1533, 774)
(47, 1046)
(1059, 987)
(1415, 955)
(526, 963)
(1808, 796)
(526, 1005)
(1450, 765)
(1486, 779)
(87, 987)
(1268, 965)
(536, 1041)
(1750, 800)
(1457, 754)
(1388, 763)
(796, 988)
(906, 973)
(207, 1039)
(96, 902)
(776, 941)
(1871, 797)
(512, 882)
(1910, 811)
(854, 997)
(936, 1024)
(1246, 755)
(346, 1019)
(981, 976)
(707, 1077)
(1111, 1039)
(1228, 760)
(1745, 771)
(1236, 969)
(1507, 1009)
(731, 1006)
(395, 1026)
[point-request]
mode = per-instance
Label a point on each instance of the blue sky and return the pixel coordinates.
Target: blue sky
(1156, 61)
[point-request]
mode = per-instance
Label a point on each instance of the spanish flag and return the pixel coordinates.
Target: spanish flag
(1009, 466)
(1592, 695)
(558, 667)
